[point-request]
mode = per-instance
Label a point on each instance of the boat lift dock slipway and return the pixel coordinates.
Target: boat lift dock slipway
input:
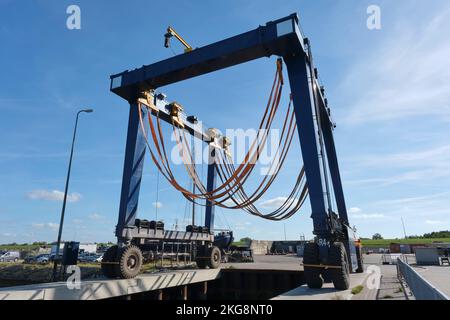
(283, 277)
(108, 288)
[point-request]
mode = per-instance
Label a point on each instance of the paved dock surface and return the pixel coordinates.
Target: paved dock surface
(438, 276)
(107, 288)
(327, 292)
(387, 287)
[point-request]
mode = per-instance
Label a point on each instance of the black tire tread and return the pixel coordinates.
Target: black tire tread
(211, 262)
(121, 268)
(312, 275)
(338, 257)
(200, 258)
(109, 256)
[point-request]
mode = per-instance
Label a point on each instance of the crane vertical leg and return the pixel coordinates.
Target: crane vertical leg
(132, 172)
(210, 185)
(338, 191)
(307, 129)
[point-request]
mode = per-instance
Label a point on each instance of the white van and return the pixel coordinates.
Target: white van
(10, 256)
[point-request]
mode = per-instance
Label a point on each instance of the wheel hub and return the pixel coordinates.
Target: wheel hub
(131, 262)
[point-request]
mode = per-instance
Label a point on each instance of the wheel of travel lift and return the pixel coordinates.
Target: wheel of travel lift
(214, 257)
(200, 257)
(312, 274)
(337, 256)
(109, 258)
(129, 262)
(359, 259)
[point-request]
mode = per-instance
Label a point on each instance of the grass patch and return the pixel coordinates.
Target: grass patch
(357, 289)
(387, 242)
(399, 290)
(20, 247)
(39, 273)
(387, 296)
(21, 274)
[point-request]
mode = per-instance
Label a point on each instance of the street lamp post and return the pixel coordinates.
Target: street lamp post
(58, 244)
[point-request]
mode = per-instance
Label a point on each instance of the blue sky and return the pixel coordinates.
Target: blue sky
(388, 89)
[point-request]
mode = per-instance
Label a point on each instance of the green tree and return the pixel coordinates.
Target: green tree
(377, 236)
(437, 234)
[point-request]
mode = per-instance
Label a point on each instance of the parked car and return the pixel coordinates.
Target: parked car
(52, 256)
(43, 258)
(30, 259)
(87, 257)
(10, 256)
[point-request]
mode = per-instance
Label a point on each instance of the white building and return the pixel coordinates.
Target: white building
(84, 247)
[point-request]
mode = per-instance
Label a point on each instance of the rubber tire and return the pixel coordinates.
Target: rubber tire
(110, 255)
(312, 275)
(337, 256)
(214, 257)
(200, 257)
(360, 260)
(123, 270)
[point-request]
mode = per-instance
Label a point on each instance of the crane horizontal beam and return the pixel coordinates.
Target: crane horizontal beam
(281, 37)
(278, 37)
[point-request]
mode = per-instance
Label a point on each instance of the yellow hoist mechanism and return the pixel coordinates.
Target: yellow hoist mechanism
(172, 33)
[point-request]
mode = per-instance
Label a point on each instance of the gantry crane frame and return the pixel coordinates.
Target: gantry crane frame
(283, 38)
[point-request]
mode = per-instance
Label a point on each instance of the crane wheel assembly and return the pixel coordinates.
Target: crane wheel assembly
(209, 257)
(109, 261)
(129, 262)
(334, 253)
(338, 257)
(311, 259)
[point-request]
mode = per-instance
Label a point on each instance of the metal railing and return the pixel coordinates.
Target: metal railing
(420, 288)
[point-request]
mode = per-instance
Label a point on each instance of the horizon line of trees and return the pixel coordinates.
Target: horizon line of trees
(431, 235)
(376, 236)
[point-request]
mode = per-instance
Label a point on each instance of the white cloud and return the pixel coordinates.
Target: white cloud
(418, 213)
(435, 222)
(421, 165)
(157, 204)
(357, 213)
(242, 225)
(77, 221)
(273, 203)
(52, 225)
(408, 75)
(54, 195)
(438, 156)
(49, 225)
(8, 234)
(367, 216)
(95, 216)
(432, 206)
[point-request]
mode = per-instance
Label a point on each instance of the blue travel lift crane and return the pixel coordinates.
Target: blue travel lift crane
(334, 254)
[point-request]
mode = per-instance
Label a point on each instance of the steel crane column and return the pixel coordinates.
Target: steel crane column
(303, 102)
(333, 165)
(132, 171)
(210, 186)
